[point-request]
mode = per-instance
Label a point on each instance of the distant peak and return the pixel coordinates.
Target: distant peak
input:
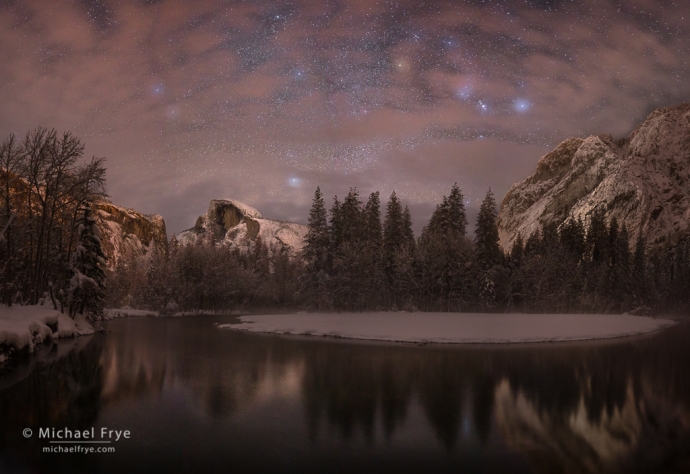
(244, 209)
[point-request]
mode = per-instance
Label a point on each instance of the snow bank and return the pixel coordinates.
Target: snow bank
(126, 311)
(458, 328)
(24, 327)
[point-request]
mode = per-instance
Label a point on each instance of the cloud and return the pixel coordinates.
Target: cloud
(187, 99)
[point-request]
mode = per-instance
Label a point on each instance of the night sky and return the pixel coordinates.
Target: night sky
(263, 101)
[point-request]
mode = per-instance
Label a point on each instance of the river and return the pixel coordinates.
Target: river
(198, 399)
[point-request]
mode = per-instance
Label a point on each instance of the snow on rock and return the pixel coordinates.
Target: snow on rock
(458, 328)
(23, 328)
(128, 232)
(643, 181)
(236, 224)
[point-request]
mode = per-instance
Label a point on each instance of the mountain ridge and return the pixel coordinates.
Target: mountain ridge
(643, 181)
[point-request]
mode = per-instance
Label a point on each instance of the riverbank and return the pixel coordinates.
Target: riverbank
(453, 328)
(24, 328)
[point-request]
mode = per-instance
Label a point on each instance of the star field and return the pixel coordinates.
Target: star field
(263, 101)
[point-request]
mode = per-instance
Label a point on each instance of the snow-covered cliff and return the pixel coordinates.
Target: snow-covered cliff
(238, 225)
(643, 181)
(128, 232)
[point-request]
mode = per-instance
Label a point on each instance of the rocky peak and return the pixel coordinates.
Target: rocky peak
(643, 181)
(128, 232)
(236, 224)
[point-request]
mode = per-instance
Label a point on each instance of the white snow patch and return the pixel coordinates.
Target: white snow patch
(126, 311)
(454, 328)
(24, 327)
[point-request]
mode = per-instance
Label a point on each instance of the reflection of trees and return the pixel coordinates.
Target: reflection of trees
(600, 407)
(351, 386)
(347, 384)
(441, 390)
(225, 371)
(62, 390)
(591, 407)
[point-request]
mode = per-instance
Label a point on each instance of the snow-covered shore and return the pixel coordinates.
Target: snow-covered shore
(453, 328)
(23, 328)
(127, 312)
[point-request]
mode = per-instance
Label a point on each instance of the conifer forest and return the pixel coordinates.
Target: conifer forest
(364, 256)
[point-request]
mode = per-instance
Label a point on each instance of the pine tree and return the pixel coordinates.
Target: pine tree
(373, 231)
(393, 241)
(444, 255)
(457, 222)
(640, 270)
(613, 240)
(336, 225)
(572, 238)
(486, 233)
(533, 246)
(408, 233)
(597, 236)
(314, 284)
(260, 258)
(393, 228)
(86, 294)
(549, 237)
(352, 217)
(317, 240)
(449, 217)
(516, 251)
(621, 271)
(371, 254)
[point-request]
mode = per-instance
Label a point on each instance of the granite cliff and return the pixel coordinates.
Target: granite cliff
(128, 232)
(643, 181)
(236, 224)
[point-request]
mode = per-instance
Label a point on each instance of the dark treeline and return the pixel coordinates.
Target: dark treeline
(352, 262)
(205, 276)
(49, 244)
(358, 257)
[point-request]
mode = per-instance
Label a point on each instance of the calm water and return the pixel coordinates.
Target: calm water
(199, 399)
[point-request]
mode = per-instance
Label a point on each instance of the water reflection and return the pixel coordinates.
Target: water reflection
(61, 387)
(620, 406)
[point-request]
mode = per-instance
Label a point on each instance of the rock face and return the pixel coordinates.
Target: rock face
(643, 181)
(235, 224)
(128, 232)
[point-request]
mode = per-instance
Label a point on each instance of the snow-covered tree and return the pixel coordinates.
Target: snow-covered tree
(86, 293)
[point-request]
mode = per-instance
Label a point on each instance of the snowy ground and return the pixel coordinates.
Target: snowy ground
(23, 328)
(453, 327)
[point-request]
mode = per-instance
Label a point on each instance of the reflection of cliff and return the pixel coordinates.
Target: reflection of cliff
(566, 444)
(221, 378)
(130, 369)
(618, 408)
(581, 408)
(608, 407)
